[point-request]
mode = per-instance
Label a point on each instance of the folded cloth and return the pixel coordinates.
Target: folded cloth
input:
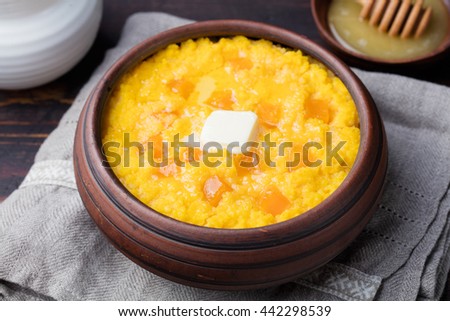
(51, 249)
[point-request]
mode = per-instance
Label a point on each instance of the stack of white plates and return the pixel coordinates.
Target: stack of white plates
(41, 40)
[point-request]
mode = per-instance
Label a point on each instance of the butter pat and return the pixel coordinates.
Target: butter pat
(229, 129)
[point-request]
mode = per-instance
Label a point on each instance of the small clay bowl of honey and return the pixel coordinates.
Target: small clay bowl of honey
(228, 258)
(361, 43)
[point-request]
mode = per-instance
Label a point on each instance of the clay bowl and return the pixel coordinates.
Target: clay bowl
(320, 13)
(224, 258)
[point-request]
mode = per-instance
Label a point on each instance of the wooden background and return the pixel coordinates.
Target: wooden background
(28, 116)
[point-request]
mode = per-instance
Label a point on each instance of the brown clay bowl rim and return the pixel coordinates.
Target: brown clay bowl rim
(319, 217)
(328, 36)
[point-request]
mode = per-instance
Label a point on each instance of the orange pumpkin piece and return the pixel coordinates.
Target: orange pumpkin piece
(244, 164)
(317, 108)
(157, 147)
(269, 114)
(181, 86)
(196, 155)
(167, 118)
(214, 188)
(273, 201)
(241, 63)
(221, 99)
(169, 170)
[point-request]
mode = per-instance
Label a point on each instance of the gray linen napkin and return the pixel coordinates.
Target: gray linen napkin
(51, 249)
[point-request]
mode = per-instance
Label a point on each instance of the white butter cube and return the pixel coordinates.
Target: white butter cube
(227, 127)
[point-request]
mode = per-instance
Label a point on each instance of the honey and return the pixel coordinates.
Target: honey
(358, 35)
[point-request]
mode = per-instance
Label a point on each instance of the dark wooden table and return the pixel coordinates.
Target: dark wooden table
(28, 116)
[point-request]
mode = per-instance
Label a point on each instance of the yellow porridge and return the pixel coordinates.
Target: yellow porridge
(295, 100)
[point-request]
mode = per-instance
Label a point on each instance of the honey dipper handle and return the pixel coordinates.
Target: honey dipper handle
(367, 7)
(396, 17)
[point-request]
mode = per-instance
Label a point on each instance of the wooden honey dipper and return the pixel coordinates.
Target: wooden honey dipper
(397, 17)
